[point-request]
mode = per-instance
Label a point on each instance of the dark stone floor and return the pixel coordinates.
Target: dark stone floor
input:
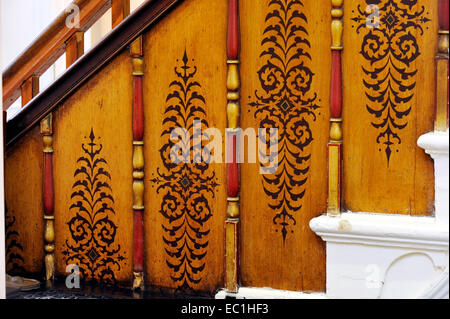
(59, 291)
(55, 294)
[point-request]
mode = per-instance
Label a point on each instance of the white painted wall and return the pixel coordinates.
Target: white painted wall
(134, 4)
(103, 26)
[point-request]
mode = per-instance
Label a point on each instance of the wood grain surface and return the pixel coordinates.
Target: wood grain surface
(23, 194)
(285, 67)
(104, 107)
(298, 262)
(202, 35)
(404, 183)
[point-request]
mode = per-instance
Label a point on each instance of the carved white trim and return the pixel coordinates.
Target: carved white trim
(382, 256)
(267, 293)
(392, 256)
(382, 230)
(439, 290)
(436, 144)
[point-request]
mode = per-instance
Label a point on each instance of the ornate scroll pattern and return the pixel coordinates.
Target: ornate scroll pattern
(92, 246)
(188, 186)
(14, 249)
(287, 103)
(390, 48)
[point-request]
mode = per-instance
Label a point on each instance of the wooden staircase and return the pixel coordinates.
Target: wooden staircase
(104, 195)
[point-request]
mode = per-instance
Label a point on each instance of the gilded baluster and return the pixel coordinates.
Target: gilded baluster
(233, 86)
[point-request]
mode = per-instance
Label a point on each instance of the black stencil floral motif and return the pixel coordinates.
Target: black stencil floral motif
(92, 245)
(188, 185)
(390, 47)
(14, 249)
(286, 103)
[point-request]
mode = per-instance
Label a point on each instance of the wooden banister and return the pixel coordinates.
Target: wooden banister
(118, 39)
(120, 10)
(29, 89)
(74, 48)
(48, 47)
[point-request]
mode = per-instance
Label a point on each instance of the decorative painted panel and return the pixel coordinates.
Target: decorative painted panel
(286, 102)
(389, 48)
(92, 243)
(93, 177)
(14, 249)
(188, 188)
(285, 46)
(392, 45)
(185, 202)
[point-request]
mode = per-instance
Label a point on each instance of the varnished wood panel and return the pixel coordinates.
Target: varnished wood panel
(289, 88)
(185, 57)
(389, 106)
(93, 176)
(24, 207)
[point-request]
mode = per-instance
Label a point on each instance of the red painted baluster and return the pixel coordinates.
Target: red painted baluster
(233, 30)
(233, 214)
(138, 110)
(336, 103)
(49, 196)
(443, 14)
(336, 85)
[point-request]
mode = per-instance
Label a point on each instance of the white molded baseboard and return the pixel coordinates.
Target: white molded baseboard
(267, 293)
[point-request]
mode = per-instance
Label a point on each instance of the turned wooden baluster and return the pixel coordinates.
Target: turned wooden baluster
(441, 123)
(120, 9)
(48, 198)
(233, 86)
(137, 55)
(29, 89)
(335, 144)
(74, 48)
